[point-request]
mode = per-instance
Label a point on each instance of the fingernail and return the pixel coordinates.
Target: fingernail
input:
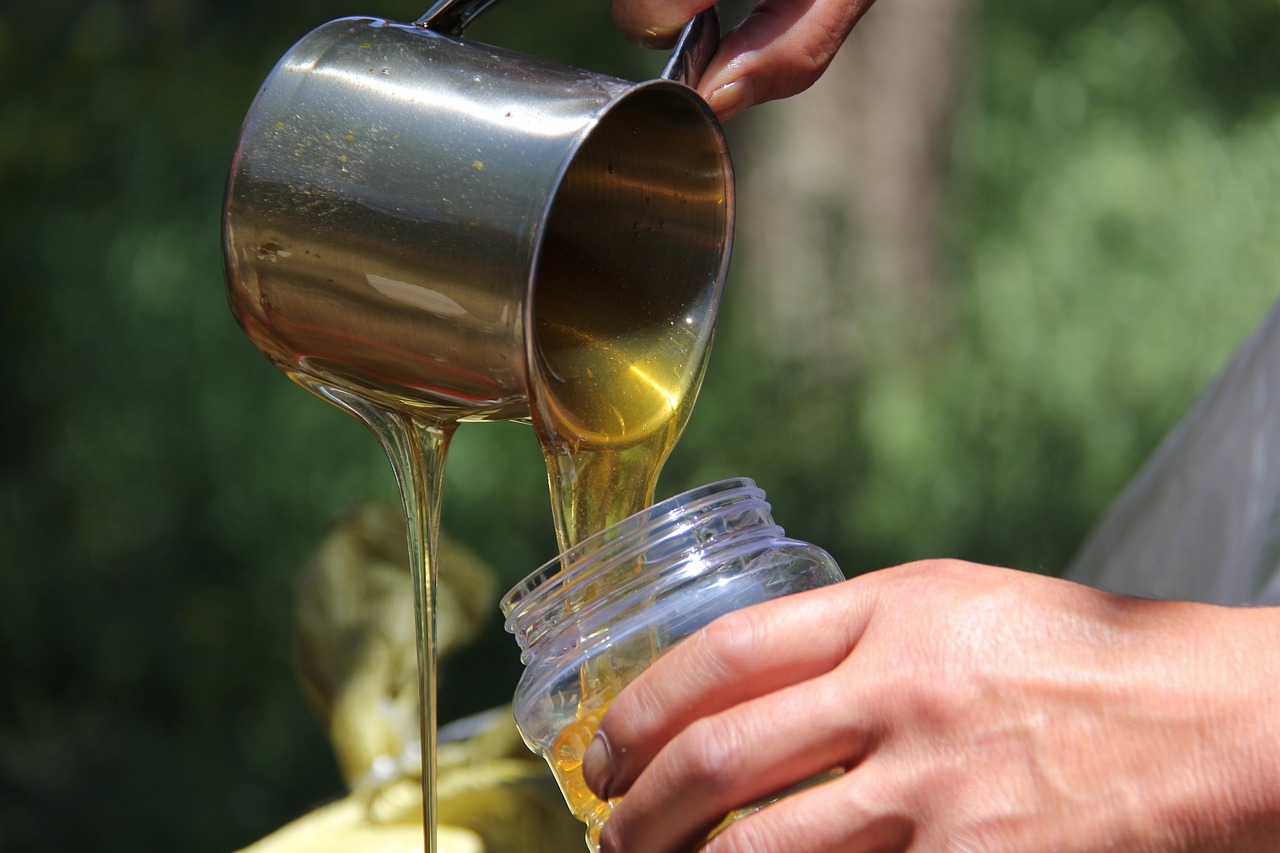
(658, 39)
(730, 99)
(597, 766)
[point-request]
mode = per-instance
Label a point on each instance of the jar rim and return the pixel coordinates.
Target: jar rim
(567, 567)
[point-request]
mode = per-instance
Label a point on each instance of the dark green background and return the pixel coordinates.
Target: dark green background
(161, 483)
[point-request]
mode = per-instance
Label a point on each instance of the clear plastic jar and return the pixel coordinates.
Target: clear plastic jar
(594, 618)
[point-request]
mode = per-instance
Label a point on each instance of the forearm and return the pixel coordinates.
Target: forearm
(1186, 754)
(1237, 770)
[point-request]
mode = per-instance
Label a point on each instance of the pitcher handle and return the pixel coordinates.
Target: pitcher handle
(697, 44)
(451, 17)
(689, 58)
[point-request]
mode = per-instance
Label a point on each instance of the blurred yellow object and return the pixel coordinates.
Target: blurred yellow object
(355, 640)
(341, 827)
(354, 629)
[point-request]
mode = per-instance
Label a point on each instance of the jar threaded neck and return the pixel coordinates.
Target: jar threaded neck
(663, 545)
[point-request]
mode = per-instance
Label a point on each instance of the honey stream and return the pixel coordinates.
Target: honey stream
(416, 446)
(607, 408)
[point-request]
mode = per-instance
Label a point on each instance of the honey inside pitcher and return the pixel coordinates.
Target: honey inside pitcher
(623, 314)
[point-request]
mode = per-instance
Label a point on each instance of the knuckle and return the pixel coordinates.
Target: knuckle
(814, 56)
(938, 699)
(913, 687)
(803, 54)
(712, 753)
(732, 642)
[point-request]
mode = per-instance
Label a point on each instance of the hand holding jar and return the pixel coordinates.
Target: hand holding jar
(970, 707)
(597, 616)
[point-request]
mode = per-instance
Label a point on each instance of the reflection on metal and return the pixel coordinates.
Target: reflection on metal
(382, 153)
(354, 633)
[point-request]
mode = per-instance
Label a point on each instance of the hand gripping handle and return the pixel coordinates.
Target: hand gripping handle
(693, 50)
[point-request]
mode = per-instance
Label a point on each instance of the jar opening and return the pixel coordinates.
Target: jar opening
(626, 539)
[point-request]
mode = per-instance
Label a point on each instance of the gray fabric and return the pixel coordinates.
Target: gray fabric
(1201, 521)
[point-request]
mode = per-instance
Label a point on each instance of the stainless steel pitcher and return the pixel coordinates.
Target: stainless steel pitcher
(401, 199)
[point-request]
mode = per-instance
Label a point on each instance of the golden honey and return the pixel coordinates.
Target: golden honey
(566, 763)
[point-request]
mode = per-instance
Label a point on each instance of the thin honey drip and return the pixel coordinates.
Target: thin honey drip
(416, 446)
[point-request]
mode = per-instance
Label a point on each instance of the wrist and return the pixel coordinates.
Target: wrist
(1256, 803)
(1233, 796)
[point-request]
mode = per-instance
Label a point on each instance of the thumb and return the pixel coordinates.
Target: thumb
(655, 23)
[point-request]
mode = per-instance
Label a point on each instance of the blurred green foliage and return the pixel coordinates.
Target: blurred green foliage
(1114, 232)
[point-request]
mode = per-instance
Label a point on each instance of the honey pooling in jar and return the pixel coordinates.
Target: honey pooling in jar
(566, 762)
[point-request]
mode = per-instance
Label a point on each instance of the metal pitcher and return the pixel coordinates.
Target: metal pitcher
(406, 207)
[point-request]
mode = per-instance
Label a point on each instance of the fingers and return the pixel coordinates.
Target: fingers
(732, 760)
(655, 23)
(850, 814)
(779, 50)
(743, 655)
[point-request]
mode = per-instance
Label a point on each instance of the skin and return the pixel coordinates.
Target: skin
(779, 50)
(971, 708)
